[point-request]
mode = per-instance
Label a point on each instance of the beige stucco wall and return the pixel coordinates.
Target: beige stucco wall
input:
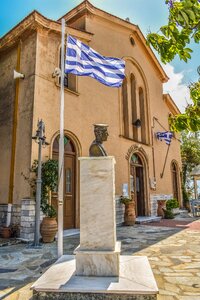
(7, 92)
(8, 63)
(93, 103)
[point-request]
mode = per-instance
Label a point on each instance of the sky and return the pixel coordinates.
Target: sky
(149, 15)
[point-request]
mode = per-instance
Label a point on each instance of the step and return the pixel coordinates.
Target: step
(141, 220)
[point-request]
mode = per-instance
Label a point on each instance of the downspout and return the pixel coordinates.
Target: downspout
(14, 134)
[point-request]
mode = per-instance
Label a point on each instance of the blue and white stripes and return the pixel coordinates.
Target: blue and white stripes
(166, 136)
(84, 61)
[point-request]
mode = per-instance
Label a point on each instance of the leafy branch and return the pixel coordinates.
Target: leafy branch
(182, 28)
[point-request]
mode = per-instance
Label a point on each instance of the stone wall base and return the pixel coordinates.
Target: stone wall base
(89, 296)
(119, 207)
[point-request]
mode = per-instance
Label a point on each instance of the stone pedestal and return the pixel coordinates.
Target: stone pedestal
(135, 282)
(98, 253)
(97, 271)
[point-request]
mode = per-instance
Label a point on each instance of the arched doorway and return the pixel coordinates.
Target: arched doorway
(69, 209)
(175, 185)
(137, 184)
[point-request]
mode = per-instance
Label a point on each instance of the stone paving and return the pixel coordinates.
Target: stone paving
(173, 252)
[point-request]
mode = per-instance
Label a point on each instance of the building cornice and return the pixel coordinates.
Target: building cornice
(31, 23)
(171, 104)
(86, 7)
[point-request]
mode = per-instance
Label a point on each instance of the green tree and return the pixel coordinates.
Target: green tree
(183, 27)
(190, 153)
(174, 38)
(190, 120)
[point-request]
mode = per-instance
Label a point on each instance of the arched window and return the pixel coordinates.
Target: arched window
(174, 171)
(125, 108)
(137, 184)
(134, 114)
(69, 79)
(142, 115)
(68, 145)
(134, 106)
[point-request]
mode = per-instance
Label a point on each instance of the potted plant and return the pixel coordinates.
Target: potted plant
(49, 225)
(171, 205)
(129, 213)
(6, 232)
(49, 175)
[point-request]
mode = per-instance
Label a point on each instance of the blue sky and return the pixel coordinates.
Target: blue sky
(148, 14)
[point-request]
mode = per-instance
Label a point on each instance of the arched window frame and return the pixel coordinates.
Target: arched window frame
(125, 108)
(134, 129)
(133, 84)
(143, 115)
(175, 169)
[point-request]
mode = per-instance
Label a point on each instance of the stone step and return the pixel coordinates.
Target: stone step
(141, 220)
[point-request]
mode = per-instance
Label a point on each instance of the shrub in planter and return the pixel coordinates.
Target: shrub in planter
(49, 175)
(168, 214)
(172, 203)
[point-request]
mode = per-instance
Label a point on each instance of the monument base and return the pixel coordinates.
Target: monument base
(135, 282)
(98, 263)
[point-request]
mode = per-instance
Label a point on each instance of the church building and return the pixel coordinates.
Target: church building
(135, 112)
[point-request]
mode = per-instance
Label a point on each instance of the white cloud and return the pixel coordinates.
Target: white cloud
(176, 88)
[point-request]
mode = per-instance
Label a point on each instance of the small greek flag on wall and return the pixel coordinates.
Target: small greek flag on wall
(84, 61)
(166, 136)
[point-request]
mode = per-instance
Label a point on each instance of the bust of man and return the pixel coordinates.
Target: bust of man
(101, 135)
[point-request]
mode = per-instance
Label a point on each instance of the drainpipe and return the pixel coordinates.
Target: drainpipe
(14, 133)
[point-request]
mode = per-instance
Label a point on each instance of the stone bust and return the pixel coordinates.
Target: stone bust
(101, 135)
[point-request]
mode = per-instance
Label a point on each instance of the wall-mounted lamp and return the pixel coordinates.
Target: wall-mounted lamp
(18, 75)
(137, 123)
(56, 73)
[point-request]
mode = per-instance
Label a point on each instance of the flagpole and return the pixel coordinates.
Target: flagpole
(161, 175)
(61, 149)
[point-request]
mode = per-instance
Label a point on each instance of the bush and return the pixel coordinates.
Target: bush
(168, 214)
(172, 203)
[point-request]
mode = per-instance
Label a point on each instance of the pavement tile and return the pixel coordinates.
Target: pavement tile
(173, 253)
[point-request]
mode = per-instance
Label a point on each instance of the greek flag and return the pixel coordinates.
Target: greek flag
(84, 61)
(166, 136)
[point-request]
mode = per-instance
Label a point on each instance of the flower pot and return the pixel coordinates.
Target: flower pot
(6, 232)
(161, 206)
(48, 229)
(129, 214)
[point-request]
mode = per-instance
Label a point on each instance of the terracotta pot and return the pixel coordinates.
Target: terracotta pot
(48, 229)
(6, 232)
(161, 206)
(129, 214)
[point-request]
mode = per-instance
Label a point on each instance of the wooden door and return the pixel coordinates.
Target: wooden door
(140, 191)
(137, 184)
(69, 184)
(69, 192)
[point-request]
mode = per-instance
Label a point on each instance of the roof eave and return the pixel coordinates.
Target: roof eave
(87, 6)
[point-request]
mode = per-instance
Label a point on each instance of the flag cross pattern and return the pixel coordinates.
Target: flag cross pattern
(84, 61)
(166, 136)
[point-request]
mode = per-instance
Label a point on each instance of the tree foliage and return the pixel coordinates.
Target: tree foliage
(49, 175)
(190, 120)
(183, 27)
(190, 153)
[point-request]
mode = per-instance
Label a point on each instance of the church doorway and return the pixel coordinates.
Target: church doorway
(69, 209)
(137, 184)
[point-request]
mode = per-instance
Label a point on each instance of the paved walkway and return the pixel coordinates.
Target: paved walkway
(173, 250)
